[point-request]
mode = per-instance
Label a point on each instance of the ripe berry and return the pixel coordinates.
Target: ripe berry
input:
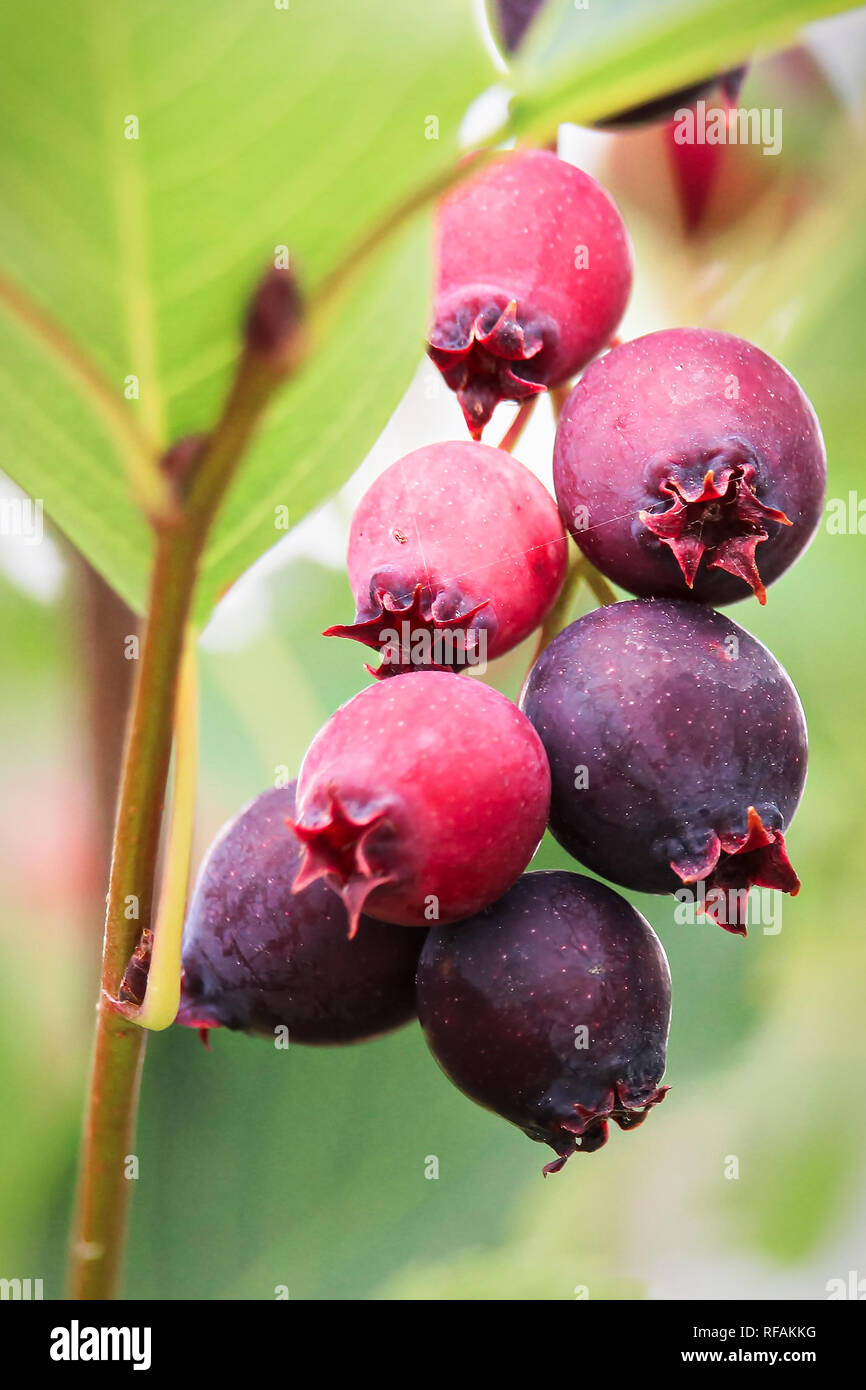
(534, 271)
(677, 747)
(422, 799)
(551, 1007)
(456, 553)
(688, 446)
(257, 956)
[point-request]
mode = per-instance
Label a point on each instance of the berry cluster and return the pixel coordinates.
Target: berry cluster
(663, 745)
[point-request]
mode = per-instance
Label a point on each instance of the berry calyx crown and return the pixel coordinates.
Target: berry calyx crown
(478, 345)
(718, 516)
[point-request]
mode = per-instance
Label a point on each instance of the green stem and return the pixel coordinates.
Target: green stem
(557, 618)
(599, 585)
(579, 569)
(513, 434)
(119, 1047)
(100, 1224)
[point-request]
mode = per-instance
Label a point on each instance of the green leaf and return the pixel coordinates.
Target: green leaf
(324, 420)
(581, 63)
(258, 127)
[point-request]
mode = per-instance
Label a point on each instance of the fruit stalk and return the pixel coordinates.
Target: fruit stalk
(100, 1225)
(100, 1222)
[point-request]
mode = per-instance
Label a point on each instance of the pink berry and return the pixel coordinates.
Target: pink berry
(689, 464)
(456, 553)
(534, 272)
(422, 799)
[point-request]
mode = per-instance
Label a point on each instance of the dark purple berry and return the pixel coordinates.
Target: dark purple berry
(677, 748)
(690, 464)
(257, 956)
(551, 1007)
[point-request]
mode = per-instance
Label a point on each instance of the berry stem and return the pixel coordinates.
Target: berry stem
(598, 584)
(557, 618)
(579, 568)
(161, 951)
(558, 396)
(521, 419)
(100, 1222)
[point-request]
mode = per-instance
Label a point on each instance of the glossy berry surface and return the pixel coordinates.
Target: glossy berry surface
(678, 749)
(257, 956)
(533, 274)
(690, 464)
(552, 1008)
(422, 799)
(456, 553)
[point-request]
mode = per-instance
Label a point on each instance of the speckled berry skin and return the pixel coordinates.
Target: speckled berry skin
(552, 1008)
(677, 746)
(689, 463)
(533, 273)
(455, 540)
(257, 956)
(422, 799)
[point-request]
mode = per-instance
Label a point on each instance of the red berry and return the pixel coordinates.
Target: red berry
(677, 748)
(456, 553)
(256, 956)
(422, 799)
(551, 1007)
(534, 272)
(690, 464)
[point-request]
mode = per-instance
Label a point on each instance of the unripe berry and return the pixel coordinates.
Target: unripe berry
(456, 553)
(689, 463)
(552, 1008)
(422, 799)
(533, 275)
(257, 956)
(677, 748)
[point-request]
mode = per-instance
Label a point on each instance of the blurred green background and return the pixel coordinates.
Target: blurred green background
(306, 1168)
